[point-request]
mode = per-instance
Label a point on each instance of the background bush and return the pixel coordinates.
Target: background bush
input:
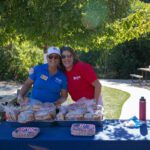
(120, 61)
(16, 59)
(113, 35)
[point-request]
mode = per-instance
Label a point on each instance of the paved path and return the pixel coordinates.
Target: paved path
(131, 106)
(8, 91)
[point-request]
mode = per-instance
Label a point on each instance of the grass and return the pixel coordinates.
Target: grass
(113, 100)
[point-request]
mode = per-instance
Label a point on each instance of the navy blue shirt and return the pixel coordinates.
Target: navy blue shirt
(47, 87)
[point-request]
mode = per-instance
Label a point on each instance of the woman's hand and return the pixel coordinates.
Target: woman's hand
(62, 99)
(19, 98)
(22, 101)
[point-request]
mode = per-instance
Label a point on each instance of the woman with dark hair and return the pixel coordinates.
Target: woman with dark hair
(82, 79)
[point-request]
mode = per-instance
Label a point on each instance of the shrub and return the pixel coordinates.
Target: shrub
(17, 59)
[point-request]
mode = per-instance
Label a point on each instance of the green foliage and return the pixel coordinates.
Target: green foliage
(127, 57)
(126, 29)
(16, 59)
(120, 61)
(60, 22)
(8, 56)
(124, 47)
(100, 27)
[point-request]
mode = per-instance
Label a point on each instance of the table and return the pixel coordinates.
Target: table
(112, 135)
(145, 70)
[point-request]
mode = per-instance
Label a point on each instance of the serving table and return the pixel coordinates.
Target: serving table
(110, 135)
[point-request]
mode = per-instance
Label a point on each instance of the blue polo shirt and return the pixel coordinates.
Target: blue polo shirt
(47, 87)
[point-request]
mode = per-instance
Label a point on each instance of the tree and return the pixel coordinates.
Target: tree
(59, 22)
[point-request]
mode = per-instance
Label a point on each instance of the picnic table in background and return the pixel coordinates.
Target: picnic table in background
(145, 72)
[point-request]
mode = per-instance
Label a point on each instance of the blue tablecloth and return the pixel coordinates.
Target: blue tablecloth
(112, 135)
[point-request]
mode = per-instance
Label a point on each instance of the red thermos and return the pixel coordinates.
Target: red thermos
(142, 109)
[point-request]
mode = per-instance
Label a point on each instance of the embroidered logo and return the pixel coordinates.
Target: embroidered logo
(58, 80)
(76, 77)
(44, 77)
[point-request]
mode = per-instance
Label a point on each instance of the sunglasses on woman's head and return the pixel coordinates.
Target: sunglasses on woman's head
(53, 57)
(66, 56)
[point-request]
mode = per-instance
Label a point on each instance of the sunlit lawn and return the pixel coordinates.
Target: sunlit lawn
(113, 100)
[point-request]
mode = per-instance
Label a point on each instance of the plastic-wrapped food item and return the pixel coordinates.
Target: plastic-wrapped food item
(48, 105)
(25, 132)
(34, 104)
(82, 110)
(36, 107)
(60, 116)
(63, 109)
(90, 109)
(25, 107)
(88, 116)
(11, 112)
(75, 106)
(26, 116)
(62, 112)
(74, 115)
(30, 103)
(72, 107)
(97, 116)
(100, 107)
(87, 102)
(80, 129)
(51, 109)
(43, 115)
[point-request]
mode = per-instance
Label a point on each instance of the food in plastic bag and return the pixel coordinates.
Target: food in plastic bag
(25, 132)
(43, 115)
(60, 116)
(63, 109)
(26, 116)
(87, 102)
(81, 129)
(82, 110)
(36, 107)
(97, 116)
(74, 115)
(33, 103)
(88, 116)
(48, 105)
(11, 112)
(25, 108)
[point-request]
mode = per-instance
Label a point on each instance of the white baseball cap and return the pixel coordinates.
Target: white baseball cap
(53, 50)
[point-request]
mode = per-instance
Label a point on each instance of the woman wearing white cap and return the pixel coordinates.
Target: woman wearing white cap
(49, 82)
